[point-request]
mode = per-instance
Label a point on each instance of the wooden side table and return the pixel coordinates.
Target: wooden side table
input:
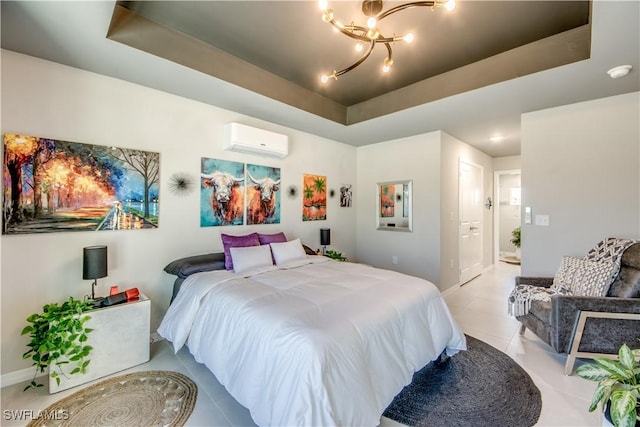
(120, 340)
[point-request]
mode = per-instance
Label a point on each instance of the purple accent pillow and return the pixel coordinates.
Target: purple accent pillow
(265, 239)
(229, 241)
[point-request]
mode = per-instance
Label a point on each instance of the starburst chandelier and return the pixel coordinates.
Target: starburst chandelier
(370, 34)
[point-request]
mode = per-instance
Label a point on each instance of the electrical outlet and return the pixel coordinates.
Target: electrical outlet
(542, 220)
(451, 263)
(394, 260)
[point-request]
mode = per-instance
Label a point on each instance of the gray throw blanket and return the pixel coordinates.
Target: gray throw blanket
(609, 250)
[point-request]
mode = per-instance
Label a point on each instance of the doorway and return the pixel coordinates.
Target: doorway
(507, 215)
(470, 193)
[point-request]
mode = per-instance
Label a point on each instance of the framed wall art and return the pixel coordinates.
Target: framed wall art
(52, 185)
(222, 184)
(263, 194)
(314, 197)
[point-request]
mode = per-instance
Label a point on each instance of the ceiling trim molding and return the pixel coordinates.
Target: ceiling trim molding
(131, 29)
(136, 31)
(554, 51)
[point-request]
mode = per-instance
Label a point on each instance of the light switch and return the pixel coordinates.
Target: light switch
(527, 215)
(542, 220)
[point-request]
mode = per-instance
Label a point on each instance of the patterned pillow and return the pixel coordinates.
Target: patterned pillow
(583, 277)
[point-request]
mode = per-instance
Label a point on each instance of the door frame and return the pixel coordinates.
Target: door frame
(496, 210)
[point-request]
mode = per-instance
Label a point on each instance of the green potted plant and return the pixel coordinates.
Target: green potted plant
(515, 240)
(335, 255)
(58, 337)
(618, 386)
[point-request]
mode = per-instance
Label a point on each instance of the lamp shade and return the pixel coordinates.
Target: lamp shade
(94, 262)
(325, 236)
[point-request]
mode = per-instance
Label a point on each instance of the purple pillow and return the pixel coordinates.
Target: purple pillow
(265, 239)
(229, 241)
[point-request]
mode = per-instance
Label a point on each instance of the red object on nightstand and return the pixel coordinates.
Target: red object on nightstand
(132, 294)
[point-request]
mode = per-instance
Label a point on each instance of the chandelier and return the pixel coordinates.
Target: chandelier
(370, 34)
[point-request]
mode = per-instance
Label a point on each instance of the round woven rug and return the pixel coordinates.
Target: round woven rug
(149, 398)
(478, 387)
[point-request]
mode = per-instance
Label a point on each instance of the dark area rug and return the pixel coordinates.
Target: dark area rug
(478, 387)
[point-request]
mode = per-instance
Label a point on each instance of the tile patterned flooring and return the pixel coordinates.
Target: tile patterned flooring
(479, 308)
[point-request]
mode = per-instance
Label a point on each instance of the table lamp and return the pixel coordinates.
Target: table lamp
(94, 265)
(325, 238)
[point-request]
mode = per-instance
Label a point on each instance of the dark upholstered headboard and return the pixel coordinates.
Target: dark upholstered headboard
(184, 267)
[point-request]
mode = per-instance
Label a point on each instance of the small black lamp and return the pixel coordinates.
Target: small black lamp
(94, 265)
(325, 238)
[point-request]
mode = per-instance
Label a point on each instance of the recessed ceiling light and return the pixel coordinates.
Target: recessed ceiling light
(497, 138)
(619, 71)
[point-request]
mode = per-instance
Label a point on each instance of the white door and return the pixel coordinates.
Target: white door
(470, 221)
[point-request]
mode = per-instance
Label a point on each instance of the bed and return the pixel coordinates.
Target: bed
(311, 342)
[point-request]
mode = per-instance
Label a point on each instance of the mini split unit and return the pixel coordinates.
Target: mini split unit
(247, 139)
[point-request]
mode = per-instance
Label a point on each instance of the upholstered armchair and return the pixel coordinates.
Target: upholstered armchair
(588, 326)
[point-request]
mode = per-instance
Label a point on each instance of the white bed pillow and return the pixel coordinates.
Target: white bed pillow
(288, 252)
(250, 258)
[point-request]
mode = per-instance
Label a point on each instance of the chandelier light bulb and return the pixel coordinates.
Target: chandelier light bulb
(325, 78)
(369, 34)
(388, 62)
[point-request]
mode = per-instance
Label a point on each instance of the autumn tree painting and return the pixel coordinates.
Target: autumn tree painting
(51, 185)
(314, 200)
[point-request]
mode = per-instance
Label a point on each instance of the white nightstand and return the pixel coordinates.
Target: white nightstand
(120, 340)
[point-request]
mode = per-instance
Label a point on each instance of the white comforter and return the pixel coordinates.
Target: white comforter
(324, 343)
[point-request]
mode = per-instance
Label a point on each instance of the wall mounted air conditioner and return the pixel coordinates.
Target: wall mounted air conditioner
(247, 139)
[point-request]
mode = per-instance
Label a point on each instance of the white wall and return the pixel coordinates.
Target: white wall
(415, 158)
(431, 161)
(44, 99)
(506, 163)
(580, 166)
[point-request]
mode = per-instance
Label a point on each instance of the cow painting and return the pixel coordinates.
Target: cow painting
(222, 193)
(263, 196)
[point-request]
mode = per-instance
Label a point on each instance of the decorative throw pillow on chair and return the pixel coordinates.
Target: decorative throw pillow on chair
(584, 277)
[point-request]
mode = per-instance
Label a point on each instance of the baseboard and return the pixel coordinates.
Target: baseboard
(26, 374)
(16, 377)
(451, 289)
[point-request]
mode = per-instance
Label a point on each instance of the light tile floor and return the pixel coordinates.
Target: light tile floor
(480, 309)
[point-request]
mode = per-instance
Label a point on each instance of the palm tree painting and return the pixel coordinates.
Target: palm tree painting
(314, 200)
(51, 185)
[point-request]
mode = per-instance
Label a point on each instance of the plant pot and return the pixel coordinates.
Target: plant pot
(606, 417)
